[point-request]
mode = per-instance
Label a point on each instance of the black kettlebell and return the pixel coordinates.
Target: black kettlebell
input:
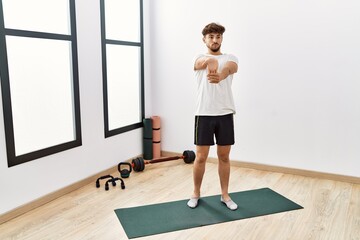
(124, 173)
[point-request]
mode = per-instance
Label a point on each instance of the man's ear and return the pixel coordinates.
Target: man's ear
(203, 39)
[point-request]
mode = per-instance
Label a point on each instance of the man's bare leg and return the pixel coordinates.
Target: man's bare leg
(202, 153)
(223, 153)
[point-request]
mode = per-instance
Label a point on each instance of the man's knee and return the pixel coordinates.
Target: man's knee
(201, 159)
(223, 153)
(224, 158)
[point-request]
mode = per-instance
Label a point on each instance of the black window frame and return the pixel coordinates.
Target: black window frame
(104, 42)
(6, 95)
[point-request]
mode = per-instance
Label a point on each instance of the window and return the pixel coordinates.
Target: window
(122, 58)
(39, 78)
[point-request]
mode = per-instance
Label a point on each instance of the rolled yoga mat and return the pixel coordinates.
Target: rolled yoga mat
(172, 216)
(147, 139)
(156, 127)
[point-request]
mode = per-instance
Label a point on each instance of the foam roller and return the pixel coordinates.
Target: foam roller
(156, 131)
(147, 138)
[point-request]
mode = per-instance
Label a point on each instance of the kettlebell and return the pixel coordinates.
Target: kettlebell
(124, 173)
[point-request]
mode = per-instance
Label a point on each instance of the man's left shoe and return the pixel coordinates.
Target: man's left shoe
(229, 204)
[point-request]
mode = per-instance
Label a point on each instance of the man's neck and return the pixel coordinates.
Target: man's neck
(214, 53)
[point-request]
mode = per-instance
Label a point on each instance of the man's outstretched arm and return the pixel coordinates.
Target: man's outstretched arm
(206, 62)
(229, 68)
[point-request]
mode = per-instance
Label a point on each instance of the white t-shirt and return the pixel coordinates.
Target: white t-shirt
(214, 99)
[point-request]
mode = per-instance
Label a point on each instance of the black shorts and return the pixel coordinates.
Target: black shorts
(222, 127)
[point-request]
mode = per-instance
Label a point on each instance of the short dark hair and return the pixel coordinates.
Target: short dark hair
(213, 28)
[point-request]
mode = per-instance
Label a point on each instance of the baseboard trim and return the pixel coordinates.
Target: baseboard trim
(286, 170)
(263, 167)
(296, 171)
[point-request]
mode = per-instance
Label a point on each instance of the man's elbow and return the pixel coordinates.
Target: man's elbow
(235, 70)
(233, 67)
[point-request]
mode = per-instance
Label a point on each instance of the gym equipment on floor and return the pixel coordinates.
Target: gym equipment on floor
(138, 164)
(113, 181)
(125, 172)
(147, 138)
(156, 129)
(97, 184)
(172, 216)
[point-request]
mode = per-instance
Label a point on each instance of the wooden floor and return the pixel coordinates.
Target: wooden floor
(331, 209)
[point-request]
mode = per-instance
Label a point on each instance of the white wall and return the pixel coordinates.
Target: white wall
(297, 87)
(24, 183)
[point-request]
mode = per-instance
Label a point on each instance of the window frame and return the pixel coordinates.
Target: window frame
(6, 94)
(104, 42)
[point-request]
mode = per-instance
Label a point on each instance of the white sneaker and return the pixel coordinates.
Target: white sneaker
(229, 204)
(193, 202)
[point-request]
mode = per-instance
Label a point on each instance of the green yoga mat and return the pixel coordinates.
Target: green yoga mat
(171, 216)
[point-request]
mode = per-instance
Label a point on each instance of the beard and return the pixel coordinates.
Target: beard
(215, 47)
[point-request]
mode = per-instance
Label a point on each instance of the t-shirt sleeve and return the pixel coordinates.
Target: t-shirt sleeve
(233, 58)
(196, 58)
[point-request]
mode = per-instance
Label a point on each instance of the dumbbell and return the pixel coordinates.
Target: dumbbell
(138, 164)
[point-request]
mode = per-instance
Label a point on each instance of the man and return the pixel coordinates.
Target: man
(214, 111)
